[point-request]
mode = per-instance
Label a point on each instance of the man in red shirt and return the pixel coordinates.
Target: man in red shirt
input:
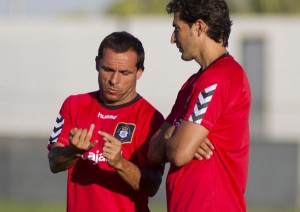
(102, 137)
(214, 103)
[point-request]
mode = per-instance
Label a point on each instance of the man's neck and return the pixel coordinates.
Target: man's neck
(210, 53)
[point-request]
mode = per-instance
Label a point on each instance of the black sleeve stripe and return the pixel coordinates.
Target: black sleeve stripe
(57, 129)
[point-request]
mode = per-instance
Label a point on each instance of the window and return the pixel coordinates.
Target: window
(253, 62)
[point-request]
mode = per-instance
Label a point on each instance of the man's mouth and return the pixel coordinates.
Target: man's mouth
(179, 48)
(112, 90)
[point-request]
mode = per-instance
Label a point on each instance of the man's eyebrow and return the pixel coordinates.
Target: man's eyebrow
(111, 69)
(107, 68)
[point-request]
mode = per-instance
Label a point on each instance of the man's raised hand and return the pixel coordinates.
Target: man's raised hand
(80, 139)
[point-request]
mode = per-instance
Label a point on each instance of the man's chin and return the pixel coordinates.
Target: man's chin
(110, 99)
(186, 58)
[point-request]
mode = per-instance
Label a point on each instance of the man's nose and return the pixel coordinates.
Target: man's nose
(173, 39)
(114, 79)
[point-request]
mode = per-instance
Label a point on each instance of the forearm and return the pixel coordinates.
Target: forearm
(146, 180)
(157, 147)
(62, 158)
(183, 145)
(157, 152)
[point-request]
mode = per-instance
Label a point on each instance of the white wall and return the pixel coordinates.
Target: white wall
(282, 77)
(42, 62)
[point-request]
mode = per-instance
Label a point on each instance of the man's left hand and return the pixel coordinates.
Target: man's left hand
(205, 150)
(112, 149)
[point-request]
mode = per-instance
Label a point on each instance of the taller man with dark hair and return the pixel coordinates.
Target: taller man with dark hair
(213, 103)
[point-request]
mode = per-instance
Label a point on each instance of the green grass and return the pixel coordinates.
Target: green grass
(60, 207)
(154, 208)
(14, 206)
(158, 208)
(273, 209)
(31, 206)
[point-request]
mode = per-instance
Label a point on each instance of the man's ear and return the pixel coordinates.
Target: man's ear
(139, 73)
(97, 60)
(200, 26)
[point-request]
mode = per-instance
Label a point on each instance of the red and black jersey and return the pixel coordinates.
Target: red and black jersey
(92, 184)
(218, 99)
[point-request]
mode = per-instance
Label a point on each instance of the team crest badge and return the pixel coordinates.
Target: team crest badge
(124, 132)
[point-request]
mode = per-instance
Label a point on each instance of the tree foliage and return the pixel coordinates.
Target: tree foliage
(137, 7)
(265, 6)
(144, 7)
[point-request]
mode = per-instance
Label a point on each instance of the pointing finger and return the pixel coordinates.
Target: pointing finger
(90, 132)
(107, 137)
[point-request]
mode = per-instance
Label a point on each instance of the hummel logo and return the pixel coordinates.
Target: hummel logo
(101, 116)
(200, 108)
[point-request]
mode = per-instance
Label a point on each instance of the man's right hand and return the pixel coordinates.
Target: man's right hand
(80, 139)
(63, 157)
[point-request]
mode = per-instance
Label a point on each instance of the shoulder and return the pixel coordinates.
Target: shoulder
(82, 98)
(74, 102)
(147, 109)
(224, 72)
(230, 66)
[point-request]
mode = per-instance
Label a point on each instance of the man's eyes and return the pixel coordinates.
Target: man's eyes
(124, 73)
(107, 69)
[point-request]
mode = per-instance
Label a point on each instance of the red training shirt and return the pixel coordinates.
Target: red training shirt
(92, 184)
(218, 99)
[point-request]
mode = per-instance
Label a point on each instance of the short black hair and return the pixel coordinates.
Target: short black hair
(214, 13)
(122, 42)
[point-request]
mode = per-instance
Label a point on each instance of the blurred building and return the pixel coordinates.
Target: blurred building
(36, 8)
(44, 61)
